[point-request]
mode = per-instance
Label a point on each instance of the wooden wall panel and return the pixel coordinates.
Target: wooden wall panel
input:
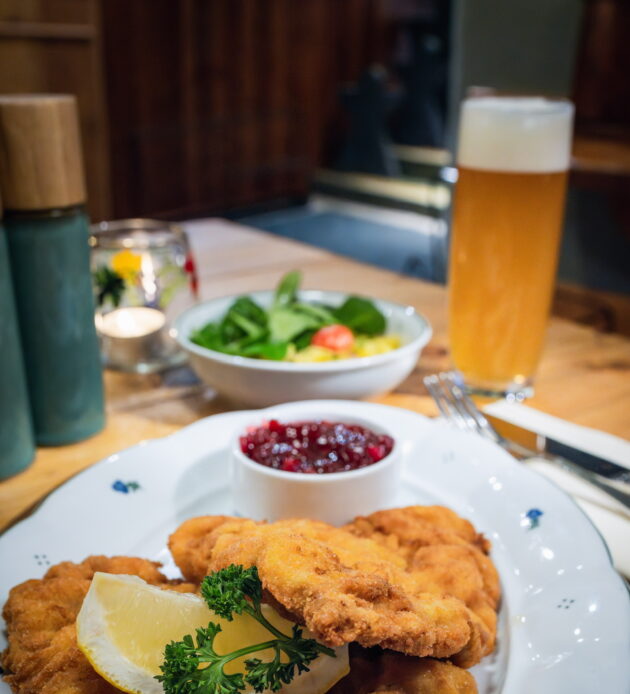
(219, 104)
(54, 46)
(601, 154)
(47, 11)
(602, 87)
(193, 106)
(144, 88)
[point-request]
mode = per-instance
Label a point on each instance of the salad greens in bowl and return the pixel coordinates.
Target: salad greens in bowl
(294, 329)
(288, 344)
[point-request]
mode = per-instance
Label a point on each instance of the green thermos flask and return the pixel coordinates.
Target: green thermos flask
(17, 447)
(41, 176)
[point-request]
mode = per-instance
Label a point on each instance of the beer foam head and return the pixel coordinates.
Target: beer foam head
(515, 134)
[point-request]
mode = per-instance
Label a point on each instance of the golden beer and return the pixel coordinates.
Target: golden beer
(513, 158)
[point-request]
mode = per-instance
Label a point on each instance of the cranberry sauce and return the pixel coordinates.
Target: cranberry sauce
(315, 447)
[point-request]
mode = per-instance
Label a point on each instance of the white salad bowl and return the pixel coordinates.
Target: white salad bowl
(263, 493)
(263, 382)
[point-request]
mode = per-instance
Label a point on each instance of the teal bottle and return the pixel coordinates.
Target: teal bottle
(53, 292)
(17, 448)
(41, 174)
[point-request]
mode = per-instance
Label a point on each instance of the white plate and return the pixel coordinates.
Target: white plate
(565, 615)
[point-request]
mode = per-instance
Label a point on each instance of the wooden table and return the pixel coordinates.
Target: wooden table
(584, 376)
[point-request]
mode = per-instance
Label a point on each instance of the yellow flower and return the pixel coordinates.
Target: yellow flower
(126, 264)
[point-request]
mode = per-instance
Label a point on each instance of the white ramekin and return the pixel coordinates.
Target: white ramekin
(263, 493)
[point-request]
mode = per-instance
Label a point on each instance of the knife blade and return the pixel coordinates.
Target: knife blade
(548, 447)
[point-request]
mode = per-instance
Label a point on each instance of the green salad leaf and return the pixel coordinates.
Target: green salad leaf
(286, 291)
(246, 306)
(266, 350)
(249, 330)
(209, 336)
(285, 324)
(304, 340)
(361, 316)
(323, 314)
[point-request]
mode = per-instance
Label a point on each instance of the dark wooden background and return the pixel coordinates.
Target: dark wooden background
(56, 46)
(602, 99)
(225, 103)
(193, 106)
(190, 107)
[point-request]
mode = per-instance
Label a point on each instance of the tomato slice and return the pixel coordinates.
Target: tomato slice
(337, 338)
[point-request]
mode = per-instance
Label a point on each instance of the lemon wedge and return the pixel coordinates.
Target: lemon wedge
(124, 624)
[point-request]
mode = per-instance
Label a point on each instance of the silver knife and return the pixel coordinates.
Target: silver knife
(545, 446)
(524, 443)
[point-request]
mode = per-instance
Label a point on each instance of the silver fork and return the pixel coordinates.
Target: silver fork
(449, 393)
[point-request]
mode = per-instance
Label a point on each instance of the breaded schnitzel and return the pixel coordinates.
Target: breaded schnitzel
(374, 671)
(443, 552)
(415, 580)
(43, 656)
(406, 529)
(415, 597)
(340, 604)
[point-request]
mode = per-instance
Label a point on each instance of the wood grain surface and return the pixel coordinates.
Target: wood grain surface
(41, 162)
(584, 376)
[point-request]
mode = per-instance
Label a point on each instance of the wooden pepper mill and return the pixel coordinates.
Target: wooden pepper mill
(41, 177)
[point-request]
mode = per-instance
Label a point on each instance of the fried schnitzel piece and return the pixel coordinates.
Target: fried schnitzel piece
(375, 671)
(340, 604)
(461, 571)
(43, 656)
(444, 553)
(434, 537)
(352, 550)
(452, 570)
(417, 567)
(405, 530)
(317, 584)
(192, 543)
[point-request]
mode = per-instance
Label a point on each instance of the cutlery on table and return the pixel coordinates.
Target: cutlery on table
(448, 391)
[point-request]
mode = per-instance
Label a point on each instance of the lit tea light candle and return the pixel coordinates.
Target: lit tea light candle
(135, 321)
(132, 336)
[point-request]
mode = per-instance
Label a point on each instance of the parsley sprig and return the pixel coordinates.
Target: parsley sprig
(194, 667)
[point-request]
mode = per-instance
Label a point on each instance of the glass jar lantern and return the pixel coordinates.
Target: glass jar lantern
(144, 276)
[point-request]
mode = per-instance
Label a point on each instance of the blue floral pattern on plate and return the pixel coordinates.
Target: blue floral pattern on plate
(125, 487)
(531, 518)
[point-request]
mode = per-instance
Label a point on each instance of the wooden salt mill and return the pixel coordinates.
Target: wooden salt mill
(41, 177)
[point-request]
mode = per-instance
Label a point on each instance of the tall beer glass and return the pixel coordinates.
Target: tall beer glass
(513, 157)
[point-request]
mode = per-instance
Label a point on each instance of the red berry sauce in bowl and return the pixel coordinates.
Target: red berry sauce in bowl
(350, 464)
(315, 447)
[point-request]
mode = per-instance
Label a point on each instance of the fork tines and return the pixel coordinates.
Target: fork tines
(449, 392)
